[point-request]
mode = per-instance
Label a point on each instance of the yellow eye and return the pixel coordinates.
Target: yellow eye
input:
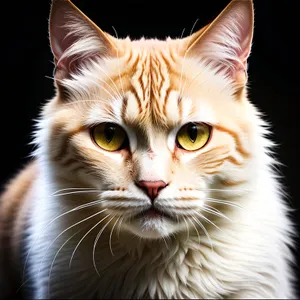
(109, 136)
(193, 136)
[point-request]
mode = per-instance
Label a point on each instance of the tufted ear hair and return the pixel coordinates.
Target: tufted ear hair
(75, 39)
(225, 44)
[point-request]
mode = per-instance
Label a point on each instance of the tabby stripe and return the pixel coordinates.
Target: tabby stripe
(159, 71)
(169, 60)
(68, 161)
(129, 57)
(212, 172)
(168, 91)
(124, 106)
(214, 166)
(140, 81)
(132, 88)
(228, 182)
(180, 107)
(236, 138)
(234, 161)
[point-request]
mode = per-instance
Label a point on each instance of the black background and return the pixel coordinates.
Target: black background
(26, 61)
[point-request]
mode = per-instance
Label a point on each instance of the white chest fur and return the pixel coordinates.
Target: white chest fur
(247, 257)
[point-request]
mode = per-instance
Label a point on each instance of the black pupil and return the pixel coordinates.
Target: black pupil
(109, 132)
(193, 132)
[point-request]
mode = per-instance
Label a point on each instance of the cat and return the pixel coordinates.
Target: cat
(152, 175)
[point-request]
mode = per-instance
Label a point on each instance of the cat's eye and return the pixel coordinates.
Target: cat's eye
(109, 136)
(193, 136)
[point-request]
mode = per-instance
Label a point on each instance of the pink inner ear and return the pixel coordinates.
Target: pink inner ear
(226, 44)
(68, 26)
(58, 30)
(60, 40)
(246, 41)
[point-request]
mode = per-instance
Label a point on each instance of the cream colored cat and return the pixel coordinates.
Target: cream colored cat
(152, 175)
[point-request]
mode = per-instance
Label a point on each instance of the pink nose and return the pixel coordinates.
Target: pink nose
(152, 188)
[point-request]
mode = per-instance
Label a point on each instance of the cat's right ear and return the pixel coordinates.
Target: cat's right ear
(75, 39)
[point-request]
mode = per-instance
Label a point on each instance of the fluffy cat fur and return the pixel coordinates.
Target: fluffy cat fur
(67, 226)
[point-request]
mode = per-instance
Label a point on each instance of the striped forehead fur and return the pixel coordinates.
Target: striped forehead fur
(93, 83)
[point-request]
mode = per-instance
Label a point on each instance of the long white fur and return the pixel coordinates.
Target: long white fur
(249, 257)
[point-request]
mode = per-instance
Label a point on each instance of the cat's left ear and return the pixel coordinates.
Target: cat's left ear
(75, 39)
(225, 44)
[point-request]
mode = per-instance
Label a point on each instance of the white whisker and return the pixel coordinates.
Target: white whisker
(206, 219)
(110, 236)
(182, 33)
(214, 211)
(187, 228)
(227, 190)
(166, 243)
(85, 100)
(48, 224)
(52, 264)
(229, 203)
(185, 53)
(71, 189)
(96, 83)
(205, 232)
(116, 88)
(116, 93)
(76, 192)
(84, 238)
(81, 221)
(199, 240)
(96, 241)
(119, 227)
(119, 63)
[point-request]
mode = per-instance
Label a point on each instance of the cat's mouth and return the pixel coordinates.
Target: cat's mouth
(153, 213)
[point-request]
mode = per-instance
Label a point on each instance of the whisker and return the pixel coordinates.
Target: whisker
(229, 203)
(116, 90)
(52, 264)
(84, 238)
(206, 219)
(71, 189)
(214, 211)
(185, 53)
(182, 33)
(227, 190)
(85, 100)
(96, 241)
(81, 221)
(110, 236)
(187, 228)
(116, 93)
(166, 243)
(89, 204)
(205, 231)
(199, 240)
(48, 224)
(97, 83)
(119, 227)
(106, 90)
(76, 192)
(119, 62)
(193, 79)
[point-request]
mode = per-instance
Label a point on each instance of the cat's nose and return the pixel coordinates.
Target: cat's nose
(152, 188)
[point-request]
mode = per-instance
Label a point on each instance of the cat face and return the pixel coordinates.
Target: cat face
(155, 125)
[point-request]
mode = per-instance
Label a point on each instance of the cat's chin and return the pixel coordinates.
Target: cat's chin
(151, 227)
